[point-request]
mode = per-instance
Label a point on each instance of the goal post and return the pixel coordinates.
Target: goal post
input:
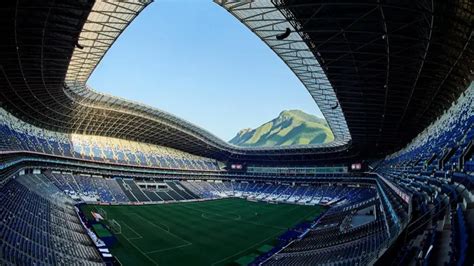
(102, 213)
(115, 226)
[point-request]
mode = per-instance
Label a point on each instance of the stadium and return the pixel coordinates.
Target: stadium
(87, 178)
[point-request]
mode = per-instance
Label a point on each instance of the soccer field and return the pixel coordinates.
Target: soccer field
(215, 232)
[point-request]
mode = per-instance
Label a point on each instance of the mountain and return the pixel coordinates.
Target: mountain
(291, 127)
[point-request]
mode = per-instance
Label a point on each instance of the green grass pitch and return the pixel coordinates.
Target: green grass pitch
(216, 232)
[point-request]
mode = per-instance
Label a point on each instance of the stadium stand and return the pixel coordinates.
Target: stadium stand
(40, 226)
(20, 136)
(124, 190)
(106, 190)
(363, 221)
(393, 79)
(323, 194)
(434, 167)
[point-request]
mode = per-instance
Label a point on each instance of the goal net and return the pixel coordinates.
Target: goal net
(115, 226)
(102, 213)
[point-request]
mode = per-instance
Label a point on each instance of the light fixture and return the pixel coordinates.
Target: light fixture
(284, 35)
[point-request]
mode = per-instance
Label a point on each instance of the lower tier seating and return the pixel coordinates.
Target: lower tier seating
(39, 226)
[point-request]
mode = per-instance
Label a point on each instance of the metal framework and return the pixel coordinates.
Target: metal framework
(379, 72)
(267, 22)
(394, 66)
(60, 44)
(105, 23)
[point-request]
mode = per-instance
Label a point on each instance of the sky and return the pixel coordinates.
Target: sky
(195, 60)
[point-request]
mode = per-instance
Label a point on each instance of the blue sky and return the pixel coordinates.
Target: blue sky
(195, 60)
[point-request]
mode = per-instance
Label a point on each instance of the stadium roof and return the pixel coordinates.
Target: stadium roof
(380, 73)
(394, 66)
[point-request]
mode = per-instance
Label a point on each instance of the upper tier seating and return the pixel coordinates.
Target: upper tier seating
(448, 137)
(16, 135)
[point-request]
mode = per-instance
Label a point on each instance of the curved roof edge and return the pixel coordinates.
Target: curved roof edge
(105, 23)
(269, 24)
